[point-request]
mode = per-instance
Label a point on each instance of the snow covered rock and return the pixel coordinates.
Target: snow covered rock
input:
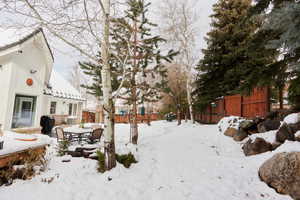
(268, 125)
(258, 146)
(241, 135)
(66, 158)
(287, 132)
(292, 118)
(229, 122)
(282, 172)
(231, 132)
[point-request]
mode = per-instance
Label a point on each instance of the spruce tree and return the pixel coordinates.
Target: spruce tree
(145, 72)
(284, 19)
(233, 59)
(136, 58)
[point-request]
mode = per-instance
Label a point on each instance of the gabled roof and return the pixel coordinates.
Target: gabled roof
(61, 88)
(12, 37)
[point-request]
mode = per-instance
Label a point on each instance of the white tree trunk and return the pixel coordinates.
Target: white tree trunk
(189, 98)
(109, 145)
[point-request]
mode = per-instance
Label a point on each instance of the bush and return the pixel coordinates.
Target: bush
(101, 162)
(126, 159)
(63, 147)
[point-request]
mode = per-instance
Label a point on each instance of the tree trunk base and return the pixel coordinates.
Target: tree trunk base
(110, 155)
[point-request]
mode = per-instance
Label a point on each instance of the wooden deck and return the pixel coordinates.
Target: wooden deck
(8, 159)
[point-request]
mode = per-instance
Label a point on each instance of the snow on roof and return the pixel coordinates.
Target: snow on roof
(9, 36)
(60, 87)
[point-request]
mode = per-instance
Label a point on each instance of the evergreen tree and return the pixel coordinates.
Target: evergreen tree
(284, 19)
(135, 58)
(145, 72)
(234, 59)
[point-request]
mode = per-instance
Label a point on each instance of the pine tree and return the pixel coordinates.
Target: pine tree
(284, 19)
(145, 71)
(233, 60)
(136, 60)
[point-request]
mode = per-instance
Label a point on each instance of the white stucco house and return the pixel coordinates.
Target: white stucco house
(29, 87)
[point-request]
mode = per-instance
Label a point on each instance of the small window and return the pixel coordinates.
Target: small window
(75, 110)
(70, 109)
(53, 108)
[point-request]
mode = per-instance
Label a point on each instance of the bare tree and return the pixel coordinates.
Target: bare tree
(81, 24)
(179, 19)
(175, 93)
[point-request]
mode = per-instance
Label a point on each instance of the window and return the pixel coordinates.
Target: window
(53, 108)
(24, 111)
(74, 109)
(70, 109)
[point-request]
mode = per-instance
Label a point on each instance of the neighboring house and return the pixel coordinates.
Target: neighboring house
(29, 88)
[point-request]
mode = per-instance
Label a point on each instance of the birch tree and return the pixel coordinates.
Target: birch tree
(82, 25)
(180, 20)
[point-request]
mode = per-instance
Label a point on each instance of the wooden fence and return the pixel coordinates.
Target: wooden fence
(257, 104)
(89, 117)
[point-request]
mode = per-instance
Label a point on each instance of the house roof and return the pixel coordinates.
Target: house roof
(12, 37)
(61, 88)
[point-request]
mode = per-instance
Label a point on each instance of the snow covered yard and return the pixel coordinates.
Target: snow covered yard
(186, 162)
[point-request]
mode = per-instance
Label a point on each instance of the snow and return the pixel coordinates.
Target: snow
(269, 136)
(60, 87)
(11, 144)
(189, 162)
(9, 35)
(229, 122)
(292, 118)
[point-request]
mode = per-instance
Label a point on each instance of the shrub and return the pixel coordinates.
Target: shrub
(63, 147)
(126, 159)
(101, 162)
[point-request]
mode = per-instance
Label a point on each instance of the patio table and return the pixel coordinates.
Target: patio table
(80, 132)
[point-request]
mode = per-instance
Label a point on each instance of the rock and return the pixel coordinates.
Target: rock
(249, 126)
(246, 124)
(231, 132)
(261, 128)
(66, 158)
(268, 125)
(294, 127)
(282, 172)
(275, 145)
(74, 153)
(272, 115)
(258, 146)
(285, 132)
(241, 135)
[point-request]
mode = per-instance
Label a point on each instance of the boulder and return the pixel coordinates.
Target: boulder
(231, 132)
(284, 133)
(258, 146)
(241, 135)
(282, 172)
(249, 126)
(272, 115)
(268, 125)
